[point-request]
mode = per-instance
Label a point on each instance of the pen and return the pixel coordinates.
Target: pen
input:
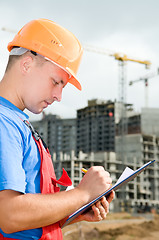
(83, 170)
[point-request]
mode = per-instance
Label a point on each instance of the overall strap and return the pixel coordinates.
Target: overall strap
(35, 134)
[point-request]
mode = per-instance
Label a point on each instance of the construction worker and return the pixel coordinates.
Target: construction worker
(44, 57)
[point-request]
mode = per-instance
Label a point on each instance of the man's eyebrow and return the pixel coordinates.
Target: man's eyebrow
(62, 82)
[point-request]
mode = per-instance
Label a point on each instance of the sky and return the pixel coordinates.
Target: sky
(128, 27)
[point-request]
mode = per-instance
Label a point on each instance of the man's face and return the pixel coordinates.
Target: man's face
(43, 85)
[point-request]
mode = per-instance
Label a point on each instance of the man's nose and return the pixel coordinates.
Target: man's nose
(58, 95)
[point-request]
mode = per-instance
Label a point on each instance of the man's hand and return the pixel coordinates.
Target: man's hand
(98, 212)
(95, 182)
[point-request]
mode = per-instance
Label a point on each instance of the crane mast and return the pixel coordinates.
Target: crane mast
(145, 79)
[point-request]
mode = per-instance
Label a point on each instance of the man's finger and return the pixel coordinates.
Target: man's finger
(110, 197)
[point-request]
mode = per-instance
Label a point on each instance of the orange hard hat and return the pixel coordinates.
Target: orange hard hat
(53, 42)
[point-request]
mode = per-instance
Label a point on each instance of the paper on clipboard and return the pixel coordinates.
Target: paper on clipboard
(127, 175)
(127, 172)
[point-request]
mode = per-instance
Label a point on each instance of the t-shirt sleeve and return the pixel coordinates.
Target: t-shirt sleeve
(12, 175)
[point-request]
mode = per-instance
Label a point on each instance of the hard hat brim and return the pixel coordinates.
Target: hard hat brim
(73, 80)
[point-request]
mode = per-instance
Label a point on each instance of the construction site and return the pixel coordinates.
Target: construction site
(113, 122)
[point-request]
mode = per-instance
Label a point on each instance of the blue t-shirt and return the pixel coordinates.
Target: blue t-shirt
(19, 159)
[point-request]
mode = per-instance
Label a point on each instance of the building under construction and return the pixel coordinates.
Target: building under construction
(94, 124)
(141, 146)
(96, 127)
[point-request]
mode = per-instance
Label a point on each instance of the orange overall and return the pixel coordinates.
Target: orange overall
(48, 184)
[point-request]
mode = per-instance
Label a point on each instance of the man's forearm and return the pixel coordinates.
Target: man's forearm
(27, 211)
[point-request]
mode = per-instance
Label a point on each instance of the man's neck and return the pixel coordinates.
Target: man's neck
(9, 92)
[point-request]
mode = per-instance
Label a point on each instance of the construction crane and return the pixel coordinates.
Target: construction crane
(122, 59)
(118, 56)
(145, 78)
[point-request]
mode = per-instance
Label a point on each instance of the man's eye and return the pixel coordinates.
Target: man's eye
(55, 83)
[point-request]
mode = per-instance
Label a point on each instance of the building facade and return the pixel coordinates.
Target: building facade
(140, 147)
(96, 127)
(138, 195)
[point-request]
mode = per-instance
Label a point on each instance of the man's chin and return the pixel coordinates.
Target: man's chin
(36, 111)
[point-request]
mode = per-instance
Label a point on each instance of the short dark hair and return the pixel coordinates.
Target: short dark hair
(13, 58)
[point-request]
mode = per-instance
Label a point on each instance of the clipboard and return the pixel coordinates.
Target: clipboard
(127, 175)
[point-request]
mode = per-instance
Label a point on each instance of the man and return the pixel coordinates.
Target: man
(44, 57)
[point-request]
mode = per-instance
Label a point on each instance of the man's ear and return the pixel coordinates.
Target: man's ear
(26, 64)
